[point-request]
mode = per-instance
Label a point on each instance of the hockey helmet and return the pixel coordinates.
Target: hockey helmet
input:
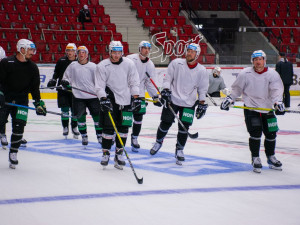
(258, 53)
(26, 44)
(71, 46)
(2, 53)
(145, 44)
(82, 48)
(195, 47)
(115, 46)
(217, 70)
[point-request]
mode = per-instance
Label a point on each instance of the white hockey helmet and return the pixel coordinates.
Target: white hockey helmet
(258, 53)
(82, 48)
(26, 44)
(2, 53)
(195, 47)
(145, 44)
(217, 70)
(71, 46)
(115, 46)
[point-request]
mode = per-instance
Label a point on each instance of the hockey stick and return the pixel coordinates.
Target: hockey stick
(211, 99)
(193, 136)
(264, 109)
(60, 87)
(139, 180)
(27, 107)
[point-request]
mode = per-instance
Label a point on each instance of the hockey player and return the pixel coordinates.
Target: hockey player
(64, 97)
(143, 65)
(216, 83)
(185, 79)
(81, 74)
(18, 77)
(117, 87)
(261, 87)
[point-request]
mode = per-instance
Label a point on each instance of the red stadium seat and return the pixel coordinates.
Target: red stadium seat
(13, 17)
(41, 46)
(44, 9)
(163, 12)
(293, 13)
(147, 22)
(53, 47)
(170, 21)
(155, 4)
(49, 19)
(21, 8)
(158, 22)
(271, 13)
(135, 4)
(99, 10)
(47, 58)
(152, 12)
(145, 3)
(282, 13)
(9, 7)
(10, 35)
(180, 20)
(141, 12)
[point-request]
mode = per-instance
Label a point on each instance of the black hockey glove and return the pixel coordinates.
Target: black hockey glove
(51, 83)
(166, 96)
(157, 101)
(2, 100)
(65, 83)
(136, 104)
(40, 108)
(105, 105)
(201, 110)
(225, 104)
(279, 108)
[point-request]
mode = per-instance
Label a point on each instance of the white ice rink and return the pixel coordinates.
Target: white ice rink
(58, 182)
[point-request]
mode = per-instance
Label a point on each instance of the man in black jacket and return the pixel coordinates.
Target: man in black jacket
(19, 76)
(64, 97)
(286, 72)
(84, 16)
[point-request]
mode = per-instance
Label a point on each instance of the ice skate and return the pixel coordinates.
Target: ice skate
(75, 132)
(179, 155)
(66, 132)
(105, 159)
(274, 163)
(13, 161)
(256, 163)
(119, 159)
(23, 143)
(4, 141)
(99, 138)
(155, 148)
(85, 141)
(134, 144)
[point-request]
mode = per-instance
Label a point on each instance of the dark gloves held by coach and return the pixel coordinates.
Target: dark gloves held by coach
(2, 100)
(136, 104)
(157, 101)
(225, 104)
(201, 110)
(279, 108)
(40, 108)
(105, 105)
(51, 83)
(166, 96)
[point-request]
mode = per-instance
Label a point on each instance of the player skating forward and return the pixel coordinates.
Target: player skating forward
(81, 74)
(64, 97)
(185, 79)
(19, 76)
(143, 65)
(117, 87)
(261, 87)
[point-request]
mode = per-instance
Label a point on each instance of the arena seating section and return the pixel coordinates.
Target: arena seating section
(51, 24)
(161, 16)
(282, 17)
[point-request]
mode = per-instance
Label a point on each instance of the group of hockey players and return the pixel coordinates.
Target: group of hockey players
(114, 93)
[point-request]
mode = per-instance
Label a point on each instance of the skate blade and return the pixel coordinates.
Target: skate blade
(133, 149)
(23, 145)
(179, 163)
(117, 166)
(66, 136)
(104, 167)
(12, 166)
(75, 136)
(4, 147)
(275, 168)
(257, 170)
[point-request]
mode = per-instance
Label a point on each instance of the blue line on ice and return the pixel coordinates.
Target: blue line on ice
(146, 193)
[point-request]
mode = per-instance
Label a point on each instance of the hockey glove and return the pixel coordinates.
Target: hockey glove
(157, 102)
(166, 96)
(2, 100)
(105, 105)
(201, 110)
(65, 83)
(225, 104)
(51, 83)
(40, 108)
(279, 108)
(136, 104)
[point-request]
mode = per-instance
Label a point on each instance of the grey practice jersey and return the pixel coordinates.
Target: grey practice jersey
(215, 84)
(122, 79)
(258, 90)
(142, 68)
(186, 83)
(83, 77)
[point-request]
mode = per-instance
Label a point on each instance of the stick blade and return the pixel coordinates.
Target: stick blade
(193, 136)
(140, 180)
